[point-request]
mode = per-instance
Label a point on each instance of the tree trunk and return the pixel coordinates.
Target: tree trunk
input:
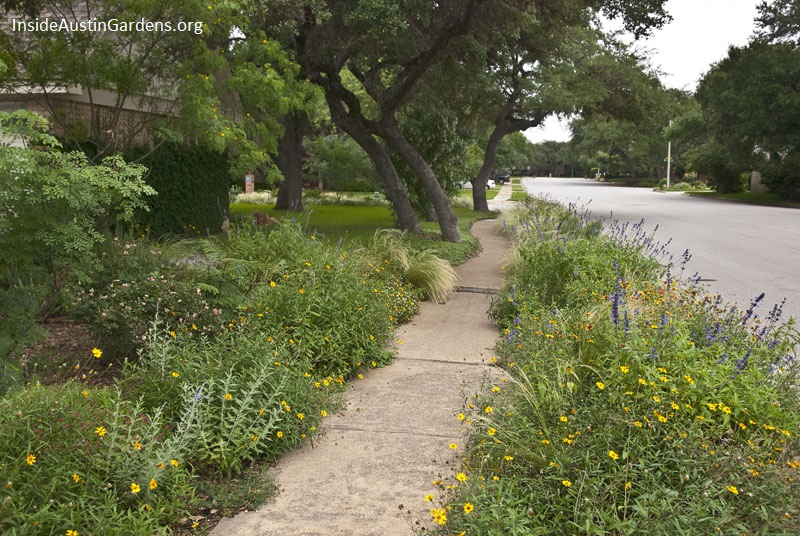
(448, 222)
(406, 219)
(479, 202)
(290, 162)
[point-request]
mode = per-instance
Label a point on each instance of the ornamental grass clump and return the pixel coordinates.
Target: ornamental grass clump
(636, 403)
(423, 269)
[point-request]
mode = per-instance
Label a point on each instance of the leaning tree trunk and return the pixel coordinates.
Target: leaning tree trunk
(290, 162)
(404, 212)
(479, 202)
(505, 124)
(448, 222)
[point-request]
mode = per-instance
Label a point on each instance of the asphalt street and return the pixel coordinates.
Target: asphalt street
(739, 250)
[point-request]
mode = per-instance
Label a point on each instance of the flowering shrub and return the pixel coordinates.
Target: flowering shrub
(635, 404)
(122, 311)
(229, 375)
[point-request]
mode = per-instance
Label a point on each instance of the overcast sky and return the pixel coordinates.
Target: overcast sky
(698, 36)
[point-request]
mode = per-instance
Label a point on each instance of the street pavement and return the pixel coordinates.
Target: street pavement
(739, 250)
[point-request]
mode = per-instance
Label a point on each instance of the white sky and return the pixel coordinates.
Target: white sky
(698, 36)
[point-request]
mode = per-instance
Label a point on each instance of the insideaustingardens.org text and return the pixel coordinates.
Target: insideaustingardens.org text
(108, 25)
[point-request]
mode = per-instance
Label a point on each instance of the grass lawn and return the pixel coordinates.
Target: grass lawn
(355, 225)
(749, 197)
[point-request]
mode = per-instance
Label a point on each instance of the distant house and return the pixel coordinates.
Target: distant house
(112, 121)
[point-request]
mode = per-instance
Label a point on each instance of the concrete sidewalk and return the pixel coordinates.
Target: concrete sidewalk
(377, 458)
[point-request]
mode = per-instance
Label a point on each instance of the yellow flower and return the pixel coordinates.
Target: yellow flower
(101, 431)
(72, 533)
(508, 458)
(453, 446)
(461, 417)
(439, 515)
(461, 477)
(488, 409)
(97, 352)
(628, 486)
(323, 413)
(428, 497)
(30, 459)
(272, 284)
(563, 418)
(173, 463)
(624, 369)
(566, 483)
(228, 396)
(733, 490)
(135, 488)
(152, 484)
(279, 434)
(613, 455)
(688, 379)
(600, 385)
(301, 416)
(76, 477)
(468, 508)
(175, 374)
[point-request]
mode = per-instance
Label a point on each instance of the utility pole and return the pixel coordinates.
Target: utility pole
(669, 157)
(669, 162)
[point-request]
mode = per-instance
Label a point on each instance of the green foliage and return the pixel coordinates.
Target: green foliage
(230, 392)
(57, 206)
(782, 176)
(56, 210)
(714, 160)
(752, 110)
(87, 460)
(340, 164)
(193, 185)
(290, 317)
(672, 413)
(134, 284)
(423, 269)
(315, 298)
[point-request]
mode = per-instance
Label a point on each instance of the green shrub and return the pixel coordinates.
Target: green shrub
(193, 186)
(136, 283)
(55, 210)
